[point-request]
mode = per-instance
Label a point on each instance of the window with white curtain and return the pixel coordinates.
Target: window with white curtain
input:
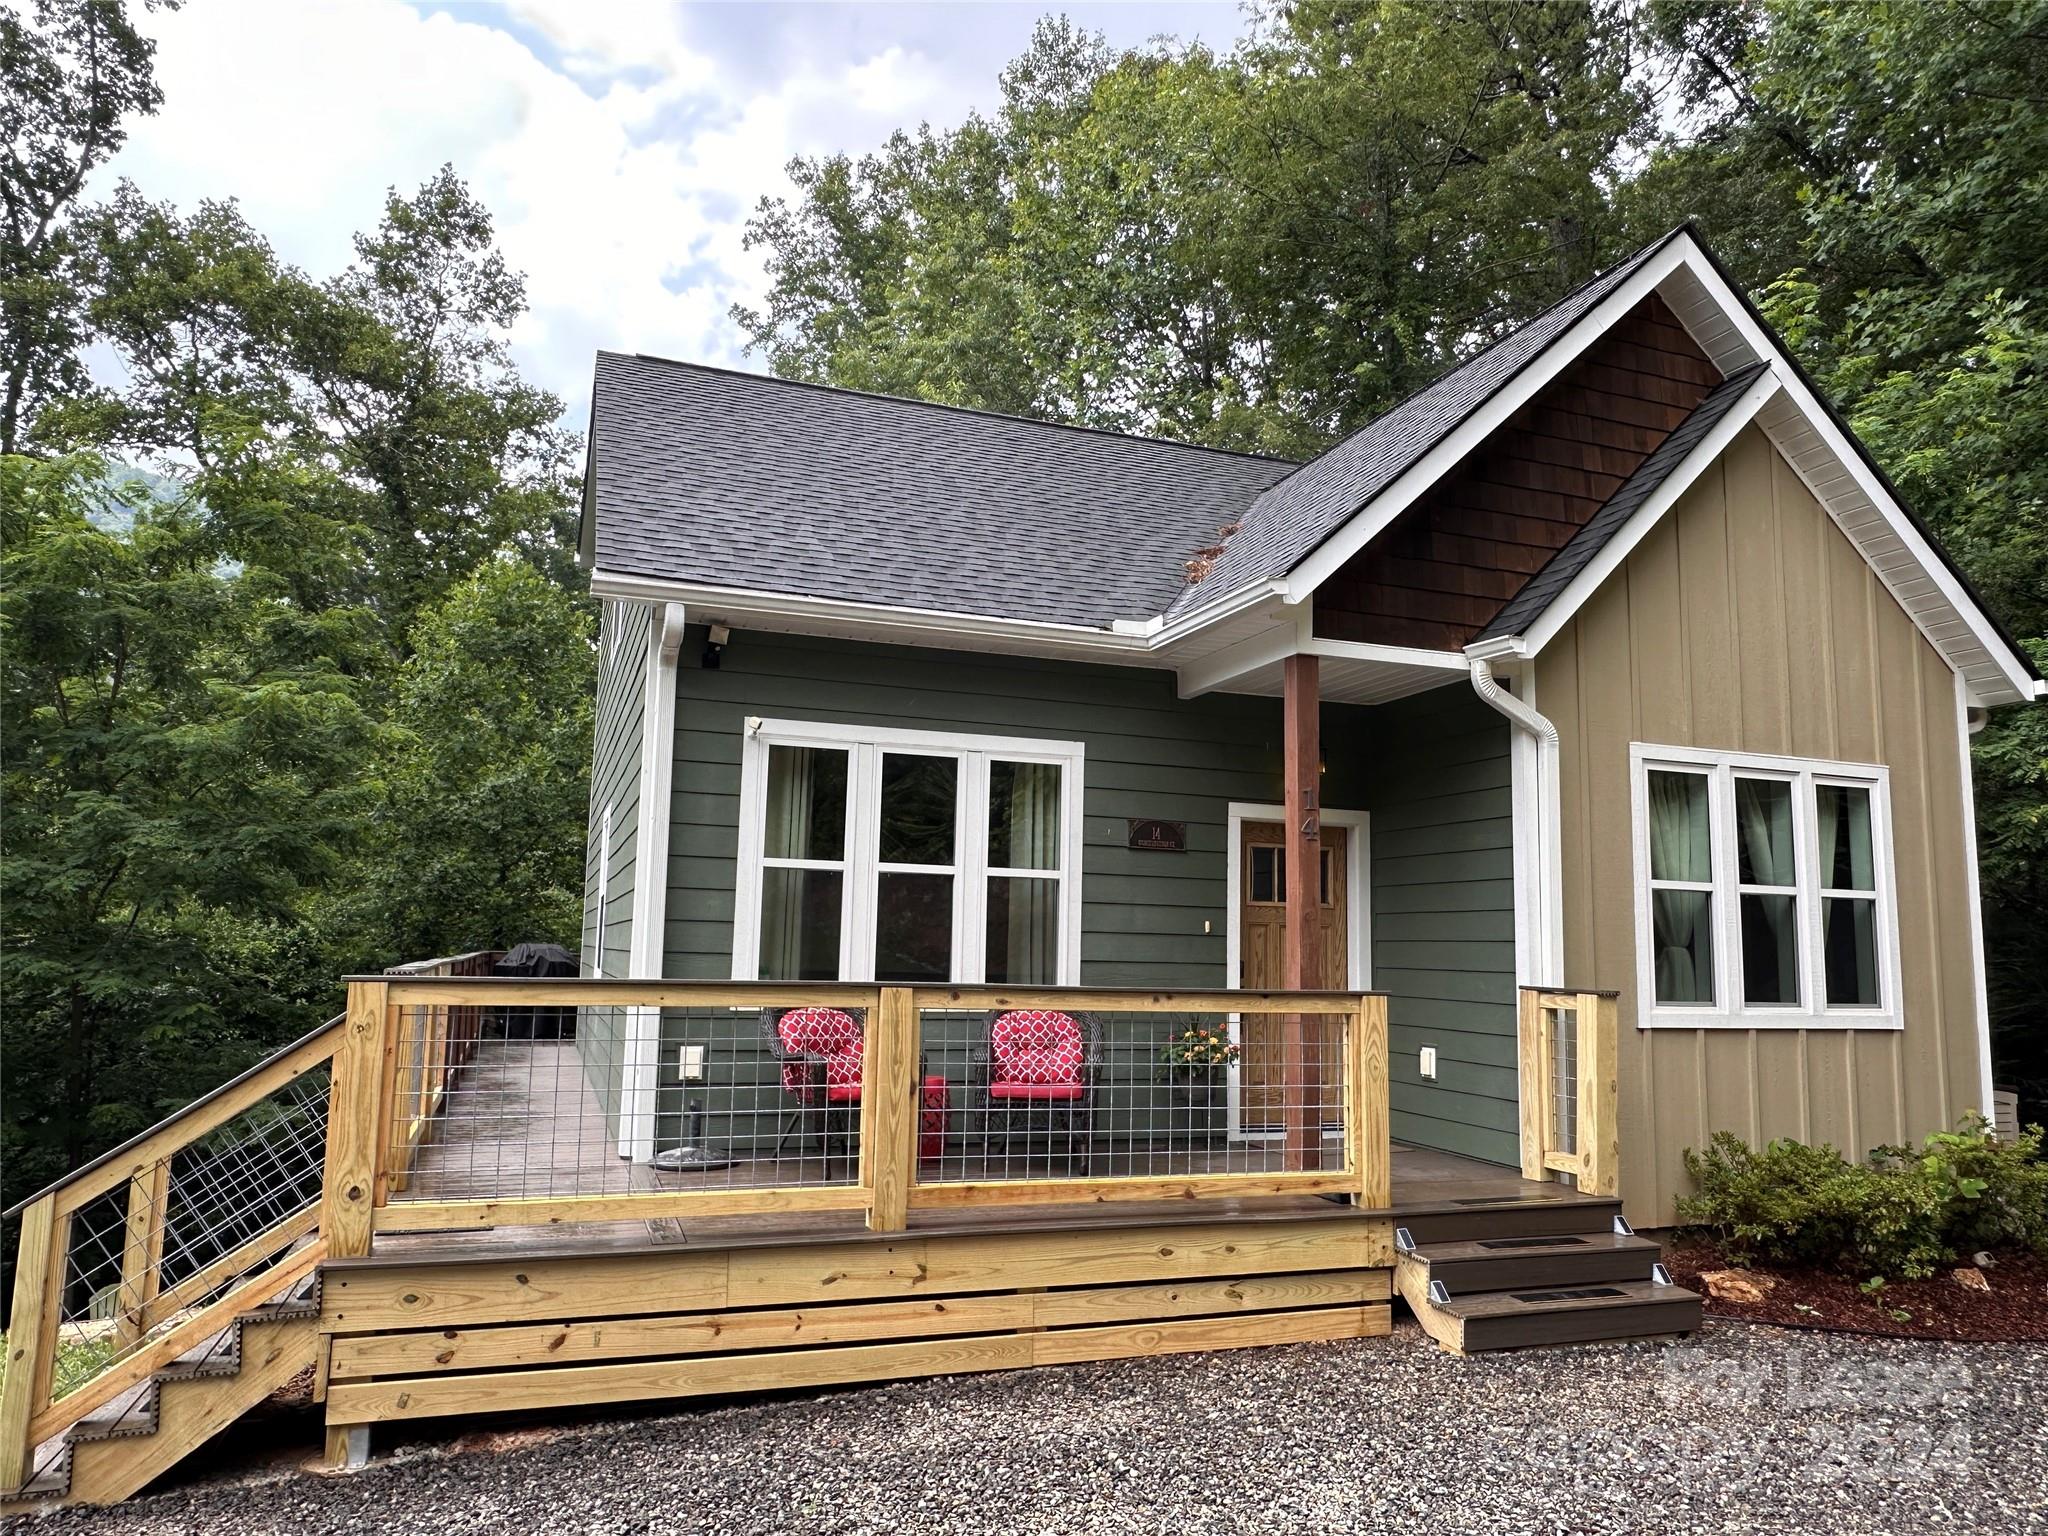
(898, 855)
(1764, 891)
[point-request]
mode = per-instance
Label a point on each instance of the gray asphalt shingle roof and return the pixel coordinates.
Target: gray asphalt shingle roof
(1542, 589)
(1288, 522)
(738, 480)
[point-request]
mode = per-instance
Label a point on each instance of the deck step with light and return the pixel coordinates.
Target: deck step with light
(1554, 1259)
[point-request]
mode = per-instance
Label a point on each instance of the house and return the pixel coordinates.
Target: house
(1621, 665)
(1056, 896)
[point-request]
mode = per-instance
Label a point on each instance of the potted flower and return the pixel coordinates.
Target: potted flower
(1195, 1060)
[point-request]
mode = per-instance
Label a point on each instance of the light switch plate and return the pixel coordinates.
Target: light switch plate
(691, 1063)
(1429, 1061)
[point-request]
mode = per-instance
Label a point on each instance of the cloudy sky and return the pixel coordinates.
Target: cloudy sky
(620, 143)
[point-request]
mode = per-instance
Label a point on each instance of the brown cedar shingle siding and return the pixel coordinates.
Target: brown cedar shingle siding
(1449, 563)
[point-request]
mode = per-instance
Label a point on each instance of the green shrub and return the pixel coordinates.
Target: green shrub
(1904, 1212)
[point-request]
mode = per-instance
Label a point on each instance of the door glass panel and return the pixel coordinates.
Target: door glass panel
(1268, 873)
(1023, 929)
(1849, 949)
(918, 795)
(1683, 945)
(1845, 854)
(1023, 815)
(913, 927)
(1680, 847)
(800, 924)
(806, 803)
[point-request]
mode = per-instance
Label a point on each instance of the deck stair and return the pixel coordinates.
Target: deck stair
(121, 1447)
(1486, 1281)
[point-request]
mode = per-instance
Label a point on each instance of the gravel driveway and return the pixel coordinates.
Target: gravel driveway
(1739, 1429)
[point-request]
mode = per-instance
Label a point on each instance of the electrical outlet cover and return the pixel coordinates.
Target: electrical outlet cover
(1429, 1061)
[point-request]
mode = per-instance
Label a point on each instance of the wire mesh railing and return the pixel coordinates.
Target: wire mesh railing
(1569, 1087)
(590, 1101)
(146, 1257)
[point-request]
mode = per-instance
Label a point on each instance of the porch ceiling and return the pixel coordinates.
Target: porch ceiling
(1356, 679)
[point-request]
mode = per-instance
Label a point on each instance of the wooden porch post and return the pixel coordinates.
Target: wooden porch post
(1301, 965)
(356, 1125)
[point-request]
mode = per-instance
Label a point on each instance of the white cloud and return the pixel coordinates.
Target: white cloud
(620, 146)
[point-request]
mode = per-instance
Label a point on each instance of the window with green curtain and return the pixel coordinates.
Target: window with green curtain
(1767, 874)
(1848, 903)
(1681, 887)
(803, 876)
(1024, 836)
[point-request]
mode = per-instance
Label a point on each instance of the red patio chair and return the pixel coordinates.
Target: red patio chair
(820, 1053)
(1041, 1069)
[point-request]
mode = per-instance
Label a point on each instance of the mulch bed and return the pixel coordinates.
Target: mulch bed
(2015, 1308)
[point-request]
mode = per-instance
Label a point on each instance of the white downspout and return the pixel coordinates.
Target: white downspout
(1547, 963)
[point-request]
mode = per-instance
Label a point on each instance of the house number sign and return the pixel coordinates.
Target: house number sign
(1155, 836)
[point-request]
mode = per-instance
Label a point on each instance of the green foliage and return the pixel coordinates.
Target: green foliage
(1903, 1213)
(306, 693)
(67, 82)
(479, 843)
(1258, 250)
(178, 770)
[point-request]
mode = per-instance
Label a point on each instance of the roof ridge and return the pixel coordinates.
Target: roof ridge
(940, 405)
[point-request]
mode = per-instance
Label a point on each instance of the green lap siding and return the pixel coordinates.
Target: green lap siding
(616, 751)
(1433, 772)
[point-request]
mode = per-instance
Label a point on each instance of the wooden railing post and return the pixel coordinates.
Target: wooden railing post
(39, 1259)
(1366, 1111)
(356, 1124)
(1533, 1081)
(142, 1248)
(1599, 1080)
(888, 1109)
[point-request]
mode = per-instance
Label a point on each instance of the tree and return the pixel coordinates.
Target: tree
(1261, 249)
(179, 769)
(479, 840)
(66, 85)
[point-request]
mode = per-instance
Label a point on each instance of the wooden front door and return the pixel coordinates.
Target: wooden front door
(1261, 930)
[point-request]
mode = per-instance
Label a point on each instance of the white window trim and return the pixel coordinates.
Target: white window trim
(862, 864)
(1728, 1011)
(604, 890)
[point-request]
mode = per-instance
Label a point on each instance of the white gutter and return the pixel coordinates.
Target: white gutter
(1544, 806)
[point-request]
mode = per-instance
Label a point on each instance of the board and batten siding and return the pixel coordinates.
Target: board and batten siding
(624, 636)
(1433, 773)
(1747, 622)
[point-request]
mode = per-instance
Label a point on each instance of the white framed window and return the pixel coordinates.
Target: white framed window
(876, 854)
(1764, 891)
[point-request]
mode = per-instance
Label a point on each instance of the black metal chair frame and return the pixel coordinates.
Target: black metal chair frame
(1001, 1119)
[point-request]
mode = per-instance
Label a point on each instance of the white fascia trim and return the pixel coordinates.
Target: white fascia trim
(647, 951)
(1618, 548)
(742, 603)
(1233, 662)
(1853, 465)
(1348, 540)
(1980, 994)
